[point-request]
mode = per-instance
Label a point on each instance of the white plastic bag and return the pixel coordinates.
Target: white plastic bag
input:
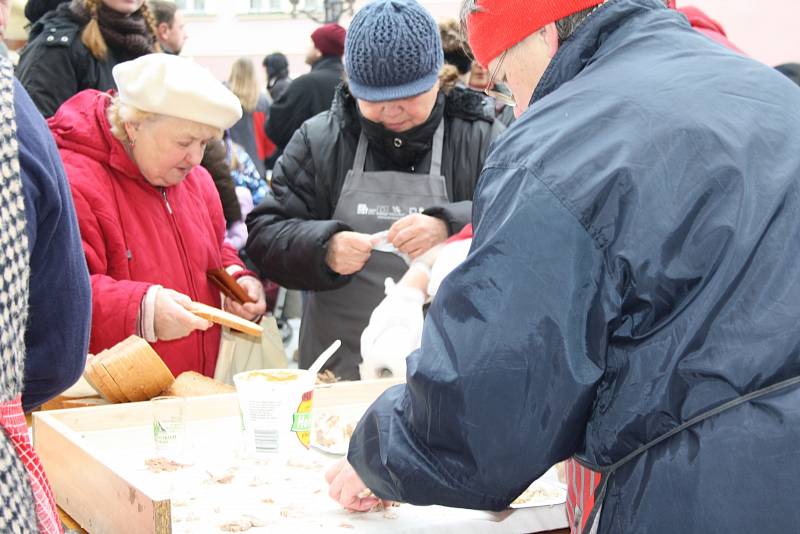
(394, 331)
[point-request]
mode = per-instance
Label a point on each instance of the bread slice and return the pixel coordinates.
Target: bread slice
(215, 315)
(191, 384)
(101, 380)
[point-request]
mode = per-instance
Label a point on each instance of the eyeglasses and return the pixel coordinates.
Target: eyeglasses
(502, 94)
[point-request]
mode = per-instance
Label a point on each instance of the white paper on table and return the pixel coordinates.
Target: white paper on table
(286, 496)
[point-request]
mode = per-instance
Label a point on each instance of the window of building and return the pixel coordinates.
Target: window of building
(281, 6)
(191, 6)
(262, 6)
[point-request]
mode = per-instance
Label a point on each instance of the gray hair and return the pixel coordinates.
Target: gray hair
(567, 26)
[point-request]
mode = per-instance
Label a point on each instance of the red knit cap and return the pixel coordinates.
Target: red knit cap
(500, 24)
(329, 39)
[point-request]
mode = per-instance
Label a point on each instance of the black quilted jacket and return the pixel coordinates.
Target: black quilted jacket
(290, 229)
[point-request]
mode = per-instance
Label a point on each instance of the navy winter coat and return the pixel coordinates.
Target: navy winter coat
(636, 263)
(60, 297)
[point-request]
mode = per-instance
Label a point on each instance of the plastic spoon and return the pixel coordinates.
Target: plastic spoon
(324, 357)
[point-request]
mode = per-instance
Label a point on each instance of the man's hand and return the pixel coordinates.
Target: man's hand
(348, 490)
(348, 252)
(417, 233)
(251, 310)
(171, 320)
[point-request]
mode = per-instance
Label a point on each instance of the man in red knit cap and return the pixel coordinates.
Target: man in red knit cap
(631, 294)
(311, 93)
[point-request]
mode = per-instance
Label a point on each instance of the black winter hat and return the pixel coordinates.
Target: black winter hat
(276, 65)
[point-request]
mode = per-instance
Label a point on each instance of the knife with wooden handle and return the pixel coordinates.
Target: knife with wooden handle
(228, 285)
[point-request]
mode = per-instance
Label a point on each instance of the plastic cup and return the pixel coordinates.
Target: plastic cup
(169, 426)
(276, 410)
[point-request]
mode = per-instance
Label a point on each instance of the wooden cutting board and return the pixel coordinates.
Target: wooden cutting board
(215, 315)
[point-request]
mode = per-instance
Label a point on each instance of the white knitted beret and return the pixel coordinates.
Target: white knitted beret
(177, 87)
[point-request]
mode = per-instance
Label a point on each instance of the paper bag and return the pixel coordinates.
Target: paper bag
(241, 352)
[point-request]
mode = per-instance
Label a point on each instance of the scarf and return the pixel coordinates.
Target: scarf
(414, 144)
(128, 33)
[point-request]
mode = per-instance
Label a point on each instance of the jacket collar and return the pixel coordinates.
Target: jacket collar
(81, 125)
(333, 63)
(580, 49)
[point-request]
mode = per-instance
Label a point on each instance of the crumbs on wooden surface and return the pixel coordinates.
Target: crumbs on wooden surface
(163, 465)
(293, 511)
(225, 478)
(313, 465)
(243, 524)
(240, 525)
(537, 492)
(378, 507)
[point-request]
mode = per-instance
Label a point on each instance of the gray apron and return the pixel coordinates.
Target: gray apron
(370, 202)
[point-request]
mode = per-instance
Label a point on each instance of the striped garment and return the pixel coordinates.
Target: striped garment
(26, 502)
(12, 420)
(581, 485)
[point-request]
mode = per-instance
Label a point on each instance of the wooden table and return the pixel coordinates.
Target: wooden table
(69, 523)
(74, 527)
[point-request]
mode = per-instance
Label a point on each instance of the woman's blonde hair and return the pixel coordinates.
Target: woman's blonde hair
(448, 77)
(118, 114)
(93, 39)
(243, 83)
(452, 38)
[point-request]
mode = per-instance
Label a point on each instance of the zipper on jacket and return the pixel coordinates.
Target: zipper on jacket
(187, 269)
(166, 200)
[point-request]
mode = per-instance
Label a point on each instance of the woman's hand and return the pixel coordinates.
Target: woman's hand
(348, 490)
(251, 311)
(172, 320)
(417, 233)
(348, 252)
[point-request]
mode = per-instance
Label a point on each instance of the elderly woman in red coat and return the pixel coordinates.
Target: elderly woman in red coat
(150, 217)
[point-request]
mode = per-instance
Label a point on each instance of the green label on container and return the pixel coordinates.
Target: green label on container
(301, 422)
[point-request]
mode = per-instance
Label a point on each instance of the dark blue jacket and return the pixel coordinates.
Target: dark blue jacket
(636, 262)
(60, 300)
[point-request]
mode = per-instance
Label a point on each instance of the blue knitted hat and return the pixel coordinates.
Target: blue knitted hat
(392, 50)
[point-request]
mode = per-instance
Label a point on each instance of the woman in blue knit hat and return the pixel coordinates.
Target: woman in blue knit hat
(384, 175)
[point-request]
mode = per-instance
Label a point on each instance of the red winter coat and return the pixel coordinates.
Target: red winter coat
(133, 238)
(704, 24)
